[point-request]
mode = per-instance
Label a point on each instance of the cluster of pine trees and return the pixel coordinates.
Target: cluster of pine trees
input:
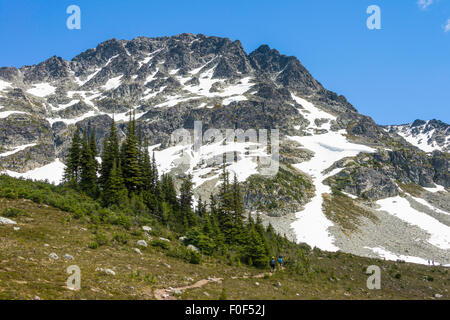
(128, 175)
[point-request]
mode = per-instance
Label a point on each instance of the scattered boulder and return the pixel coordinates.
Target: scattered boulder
(53, 256)
(167, 265)
(141, 243)
(192, 248)
(182, 238)
(164, 239)
(137, 251)
(68, 257)
(437, 295)
(110, 272)
(278, 285)
(16, 228)
(36, 298)
(146, 228)
(6, 221)
(106, 271)
(177, 292)
(257, 284)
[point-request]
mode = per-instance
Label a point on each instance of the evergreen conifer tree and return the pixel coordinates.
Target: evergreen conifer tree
(72, 170)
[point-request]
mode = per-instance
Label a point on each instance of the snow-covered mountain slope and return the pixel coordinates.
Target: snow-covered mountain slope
(359, 187)
(426, 135)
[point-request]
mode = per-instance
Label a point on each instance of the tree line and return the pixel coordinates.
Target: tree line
(128, 176)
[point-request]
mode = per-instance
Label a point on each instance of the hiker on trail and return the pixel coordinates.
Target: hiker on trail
(280, 261)
(272, 264)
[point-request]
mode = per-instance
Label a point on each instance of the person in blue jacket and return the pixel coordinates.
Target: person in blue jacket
(272, 264)
(280, 261)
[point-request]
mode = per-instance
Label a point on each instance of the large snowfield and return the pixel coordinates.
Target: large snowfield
(53, 172)
(312, 225)
(401, 208)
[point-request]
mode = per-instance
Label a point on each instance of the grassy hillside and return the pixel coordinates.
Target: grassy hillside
(26, 270)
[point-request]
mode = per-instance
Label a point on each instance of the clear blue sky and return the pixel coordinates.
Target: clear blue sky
(394, 75)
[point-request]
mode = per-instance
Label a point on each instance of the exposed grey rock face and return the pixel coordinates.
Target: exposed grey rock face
(373, 176)
(426, 135)
(367, 183)
(145, 74)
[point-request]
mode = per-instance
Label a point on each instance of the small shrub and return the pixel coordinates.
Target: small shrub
(121, 238)
(195, 257)
(160, 243)
(223, 295)
(93, 245)
(13, 212)
(9, 193)
(101, 238)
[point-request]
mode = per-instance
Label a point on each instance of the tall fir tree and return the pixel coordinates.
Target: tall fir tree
(110, 154)
(225, 207)
(94, 149)
(186, 199)
(237, 212)
(115, 191)
(130, 160)
(72, 170)
(88, 171)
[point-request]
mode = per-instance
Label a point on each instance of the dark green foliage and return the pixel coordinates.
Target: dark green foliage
(130, 154)
(13, 212)
(160, 244)
(88, 168)
(114, 191)
(73, 165)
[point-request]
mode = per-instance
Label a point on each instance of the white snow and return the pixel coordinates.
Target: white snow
(66, 105)
(312, 225)
(87, 96)
(399, 207)
(149, 57)
(229, 100)
(93, 74)
(426, 204)
(198, 163)
(383, 253)
(418, 137)
(6, 114)
(113, 83)
(73, 120)
(349, 195)
(42, 89)
(53, 172)
(438, 188)
(17, 149)
(173, 101)
(124, 116)
(311, 113)
(206, 81)
(197, 70)
(4, 85)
